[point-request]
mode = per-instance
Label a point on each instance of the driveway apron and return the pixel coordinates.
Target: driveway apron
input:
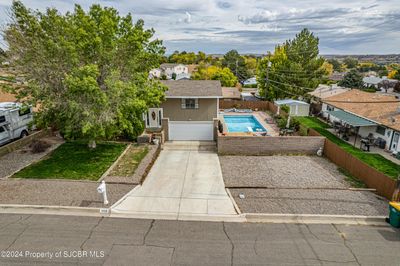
(183, 182)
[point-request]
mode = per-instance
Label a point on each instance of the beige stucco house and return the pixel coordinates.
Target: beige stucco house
(189, 111)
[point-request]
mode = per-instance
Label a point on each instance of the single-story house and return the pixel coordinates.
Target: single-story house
(231, 93)
(324, 91)
(189, 111)
(372, 114)
(297, 108)
(250, 82)
(337, 76)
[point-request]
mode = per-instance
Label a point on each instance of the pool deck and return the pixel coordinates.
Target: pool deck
(272, 129)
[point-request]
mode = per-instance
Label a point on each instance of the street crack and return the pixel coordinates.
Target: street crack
(230, 240)
(91, 232)
(148, 231)
(346, 245)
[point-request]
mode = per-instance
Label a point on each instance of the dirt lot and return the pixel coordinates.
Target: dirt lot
(295, 184)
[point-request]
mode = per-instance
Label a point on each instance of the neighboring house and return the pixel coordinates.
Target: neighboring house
(189, 110)
(369, 113)
(372, 81)
(297, 108)
(337, 76)
(250, 82)
(322, 92)
(231, 93)
(181, 71)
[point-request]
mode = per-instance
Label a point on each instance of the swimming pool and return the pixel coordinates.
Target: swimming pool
(243, 123)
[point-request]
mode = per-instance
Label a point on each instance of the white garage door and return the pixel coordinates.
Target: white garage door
(191, 130)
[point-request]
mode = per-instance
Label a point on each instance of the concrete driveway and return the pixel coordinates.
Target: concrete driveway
(184, 183)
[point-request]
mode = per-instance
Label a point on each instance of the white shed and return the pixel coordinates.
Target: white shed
(297, 108)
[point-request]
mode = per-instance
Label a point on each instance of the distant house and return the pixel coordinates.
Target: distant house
(370, 114)
(231, 93)
(372, 81)
(297, 108)
(337, 76)
(169, 70)
(322, 92)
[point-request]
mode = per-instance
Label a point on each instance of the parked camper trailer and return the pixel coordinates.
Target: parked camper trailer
(14, 121)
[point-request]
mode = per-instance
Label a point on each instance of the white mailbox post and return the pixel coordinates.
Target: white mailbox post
(102, 189)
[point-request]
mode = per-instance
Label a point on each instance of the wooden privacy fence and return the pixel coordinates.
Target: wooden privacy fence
(383, 184)
(260, 105)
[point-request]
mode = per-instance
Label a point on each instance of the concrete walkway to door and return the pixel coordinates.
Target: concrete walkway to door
(185, 183)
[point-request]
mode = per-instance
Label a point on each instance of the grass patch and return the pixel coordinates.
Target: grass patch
(74, 160)
(130, 161)
(352, 180)
(374, 160)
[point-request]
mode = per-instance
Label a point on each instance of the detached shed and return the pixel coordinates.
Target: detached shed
(297, 108)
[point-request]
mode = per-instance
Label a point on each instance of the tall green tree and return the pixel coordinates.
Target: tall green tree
(227, 78)
(296, 68)
(337, 66)
(350, 62)
(237, 64)
(352, 80)
(86, 70)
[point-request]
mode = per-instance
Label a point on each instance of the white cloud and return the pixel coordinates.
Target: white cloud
(343, 26)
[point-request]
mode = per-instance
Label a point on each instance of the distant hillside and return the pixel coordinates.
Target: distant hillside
(377, 59)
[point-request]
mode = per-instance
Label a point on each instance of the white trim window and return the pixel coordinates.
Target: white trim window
(190, 103)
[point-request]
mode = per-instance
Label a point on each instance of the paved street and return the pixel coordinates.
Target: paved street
(184, 181)
(112, 241)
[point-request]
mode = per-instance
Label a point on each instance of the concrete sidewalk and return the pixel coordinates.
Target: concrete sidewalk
(185, 181)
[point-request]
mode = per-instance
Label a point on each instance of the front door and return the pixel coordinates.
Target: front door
(395, 141)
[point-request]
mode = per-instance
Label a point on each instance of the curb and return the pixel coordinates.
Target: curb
(53, 210)
(315, 219)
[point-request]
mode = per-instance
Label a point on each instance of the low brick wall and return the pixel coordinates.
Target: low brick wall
(15, 145)
(252, 145)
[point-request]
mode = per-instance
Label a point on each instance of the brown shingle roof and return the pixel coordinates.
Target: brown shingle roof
(383, 109)
(231, 93)
(193, 88)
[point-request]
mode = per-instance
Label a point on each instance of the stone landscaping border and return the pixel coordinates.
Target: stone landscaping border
(141, 171)
(15, 145)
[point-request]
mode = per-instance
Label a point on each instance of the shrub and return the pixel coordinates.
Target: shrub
(39, 146)
(285, 108)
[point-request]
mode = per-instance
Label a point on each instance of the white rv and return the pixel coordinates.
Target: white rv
(15, 120)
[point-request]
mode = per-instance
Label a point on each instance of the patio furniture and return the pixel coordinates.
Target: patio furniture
(364, 144)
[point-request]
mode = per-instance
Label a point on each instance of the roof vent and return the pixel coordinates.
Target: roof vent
(392, 119)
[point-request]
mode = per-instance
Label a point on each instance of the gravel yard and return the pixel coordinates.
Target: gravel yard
(295, 185)
(57, 192)
(310, 201)
(280, 172)
(19, 159)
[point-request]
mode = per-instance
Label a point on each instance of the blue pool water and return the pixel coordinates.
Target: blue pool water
(236, 123)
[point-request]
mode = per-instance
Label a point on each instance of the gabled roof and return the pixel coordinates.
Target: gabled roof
(383, 109)
(325, 91)
(290, 102)
(193, 88)
(231, 93)
(169, 65)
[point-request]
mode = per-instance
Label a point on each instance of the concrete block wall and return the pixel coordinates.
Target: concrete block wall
(252, 145)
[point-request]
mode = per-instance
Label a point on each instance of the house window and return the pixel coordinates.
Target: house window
(380, 130)
(190, 103)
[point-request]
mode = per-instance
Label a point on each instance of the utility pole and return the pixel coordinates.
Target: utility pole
(266, 89)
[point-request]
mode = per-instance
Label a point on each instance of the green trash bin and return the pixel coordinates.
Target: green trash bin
(394, 214)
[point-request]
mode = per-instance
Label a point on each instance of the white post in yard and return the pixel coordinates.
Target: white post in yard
(102, 189)
(288, 122)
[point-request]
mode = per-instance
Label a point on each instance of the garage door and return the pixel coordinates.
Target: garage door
(191, 130)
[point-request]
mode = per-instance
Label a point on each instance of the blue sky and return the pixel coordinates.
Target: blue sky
(256, 26)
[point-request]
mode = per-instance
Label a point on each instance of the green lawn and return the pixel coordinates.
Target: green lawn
(74, 160)
(377, 161)
(127, 165)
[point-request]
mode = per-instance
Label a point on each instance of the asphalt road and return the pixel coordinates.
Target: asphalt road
(53, 240)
